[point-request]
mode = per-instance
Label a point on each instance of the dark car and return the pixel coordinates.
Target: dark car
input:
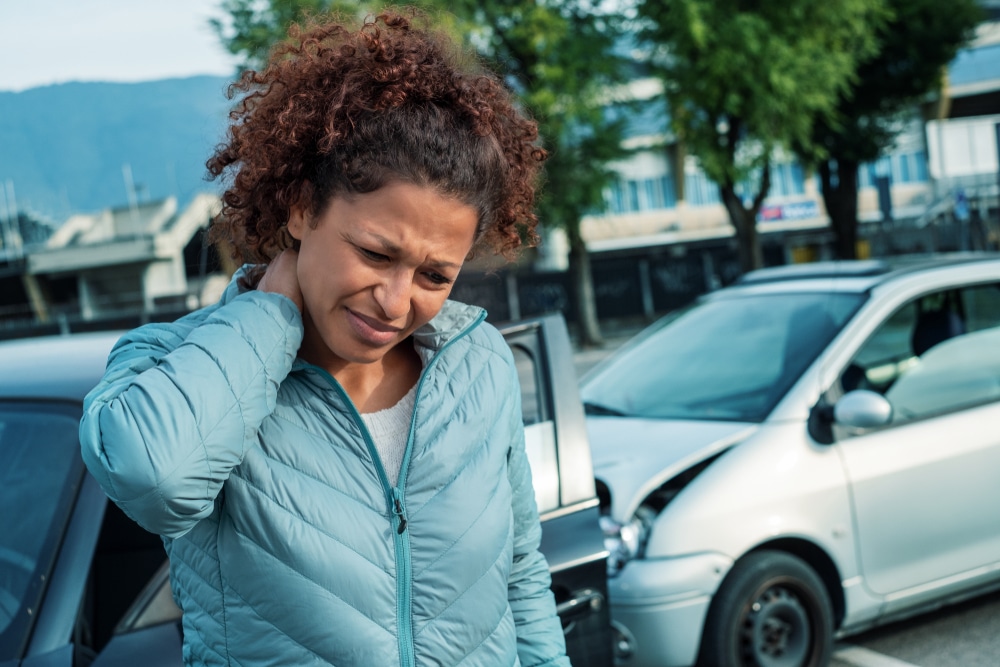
(81, 584)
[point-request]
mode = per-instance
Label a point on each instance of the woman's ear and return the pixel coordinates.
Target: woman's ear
(297, 222)
(299, 215)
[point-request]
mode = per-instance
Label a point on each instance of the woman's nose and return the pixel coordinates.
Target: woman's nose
(393, 296)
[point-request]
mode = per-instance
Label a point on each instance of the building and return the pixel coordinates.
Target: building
(120, 267)
(663, 198)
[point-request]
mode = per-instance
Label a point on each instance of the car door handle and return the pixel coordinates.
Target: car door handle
(583, 602)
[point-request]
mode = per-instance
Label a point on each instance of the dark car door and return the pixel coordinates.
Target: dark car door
(559, 452)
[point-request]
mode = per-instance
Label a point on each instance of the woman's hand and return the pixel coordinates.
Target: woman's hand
(281, 277)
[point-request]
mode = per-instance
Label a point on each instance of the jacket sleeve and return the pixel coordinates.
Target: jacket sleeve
(540, 639)
(179, 403)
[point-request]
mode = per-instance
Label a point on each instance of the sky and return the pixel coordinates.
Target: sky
(43, 42)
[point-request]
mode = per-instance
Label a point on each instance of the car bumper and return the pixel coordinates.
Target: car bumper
(660, 605)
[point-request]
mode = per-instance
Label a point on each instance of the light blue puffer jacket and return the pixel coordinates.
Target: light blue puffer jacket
(287, 544)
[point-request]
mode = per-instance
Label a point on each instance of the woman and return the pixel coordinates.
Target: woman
(333, 453)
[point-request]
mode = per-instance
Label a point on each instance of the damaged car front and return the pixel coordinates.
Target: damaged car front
(701, 452)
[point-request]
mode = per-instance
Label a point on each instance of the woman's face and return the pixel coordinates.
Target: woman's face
(375, 267)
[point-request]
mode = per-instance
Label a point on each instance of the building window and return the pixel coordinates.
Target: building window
(669, 194)
(920, 166)
(780, 180)
(904, 168)
(616, 198)
(654, 195)
(866, 175)
(632, 203)
(798, 177)
(700, 190)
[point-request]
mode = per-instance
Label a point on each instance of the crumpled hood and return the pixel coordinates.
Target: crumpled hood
(635, 456)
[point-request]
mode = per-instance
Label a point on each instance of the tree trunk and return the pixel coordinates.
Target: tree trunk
(839, 182)
(745, 223)
(583, 287)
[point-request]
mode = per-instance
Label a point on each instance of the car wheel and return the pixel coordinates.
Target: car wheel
(772, 610)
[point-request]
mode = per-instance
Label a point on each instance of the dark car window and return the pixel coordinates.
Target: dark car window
(39, 476)
(935, 354)
(722, 359)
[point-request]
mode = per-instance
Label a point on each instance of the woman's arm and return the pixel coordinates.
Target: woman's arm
(179, 403)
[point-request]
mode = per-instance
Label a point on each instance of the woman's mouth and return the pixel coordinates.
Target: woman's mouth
(370, 330)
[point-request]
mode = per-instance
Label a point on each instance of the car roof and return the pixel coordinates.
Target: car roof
(856, 275)
(54, 367)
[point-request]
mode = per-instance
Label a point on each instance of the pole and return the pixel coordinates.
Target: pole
(133, 203)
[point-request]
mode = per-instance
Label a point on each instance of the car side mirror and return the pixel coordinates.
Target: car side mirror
(862, 409)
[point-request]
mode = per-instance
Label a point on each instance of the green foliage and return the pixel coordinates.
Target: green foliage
(744, 77)
(560, 58)
(253, 26)
(914, 48)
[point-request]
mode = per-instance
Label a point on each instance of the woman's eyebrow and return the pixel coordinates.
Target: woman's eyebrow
(391, 248)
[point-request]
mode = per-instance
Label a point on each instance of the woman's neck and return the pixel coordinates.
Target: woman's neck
(381, 384)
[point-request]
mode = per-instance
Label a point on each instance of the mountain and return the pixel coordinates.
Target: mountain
(63, 147)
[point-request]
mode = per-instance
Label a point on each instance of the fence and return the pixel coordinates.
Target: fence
(631, 286)
(641, 284)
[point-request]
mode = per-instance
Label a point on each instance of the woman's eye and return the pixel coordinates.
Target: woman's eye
(372, 255)
(438, 279)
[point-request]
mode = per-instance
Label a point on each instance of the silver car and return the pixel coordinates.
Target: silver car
(801, 456)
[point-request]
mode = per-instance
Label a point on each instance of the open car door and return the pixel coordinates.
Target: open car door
(563, 476)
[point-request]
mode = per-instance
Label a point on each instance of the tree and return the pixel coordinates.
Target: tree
(254, 27)
(558, 57)
(561, 58)
(744, 78)
(915, 46)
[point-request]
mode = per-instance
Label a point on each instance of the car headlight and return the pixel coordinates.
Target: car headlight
(624, 541)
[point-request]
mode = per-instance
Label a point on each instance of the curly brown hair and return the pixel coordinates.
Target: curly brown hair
(337, 112)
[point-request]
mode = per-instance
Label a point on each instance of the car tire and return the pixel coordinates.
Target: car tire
(772, 610)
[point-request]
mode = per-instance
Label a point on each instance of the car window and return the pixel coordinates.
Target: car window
(886, 355)
(539, 430)
(935, 354)
(982, 306)
(962, 371)
(40, 472)
(723, 359)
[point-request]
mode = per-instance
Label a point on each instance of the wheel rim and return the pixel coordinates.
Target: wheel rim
(776, 629)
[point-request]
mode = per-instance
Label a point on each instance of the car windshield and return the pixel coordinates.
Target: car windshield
(38, 479)
(725, 358)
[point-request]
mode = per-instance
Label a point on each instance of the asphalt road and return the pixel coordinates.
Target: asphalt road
(964, 635)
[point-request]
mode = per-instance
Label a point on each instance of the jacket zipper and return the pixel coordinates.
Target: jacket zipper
(394, 498)
(404, 616)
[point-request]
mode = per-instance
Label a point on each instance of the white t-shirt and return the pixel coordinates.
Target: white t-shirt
(390, 429)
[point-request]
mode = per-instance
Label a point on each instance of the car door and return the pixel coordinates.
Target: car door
(924, 487)
(562, 472)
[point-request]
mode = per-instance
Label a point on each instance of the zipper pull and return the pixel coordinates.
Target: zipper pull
(402, 516)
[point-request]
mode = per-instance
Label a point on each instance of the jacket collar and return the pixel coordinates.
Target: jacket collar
(453, 319)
